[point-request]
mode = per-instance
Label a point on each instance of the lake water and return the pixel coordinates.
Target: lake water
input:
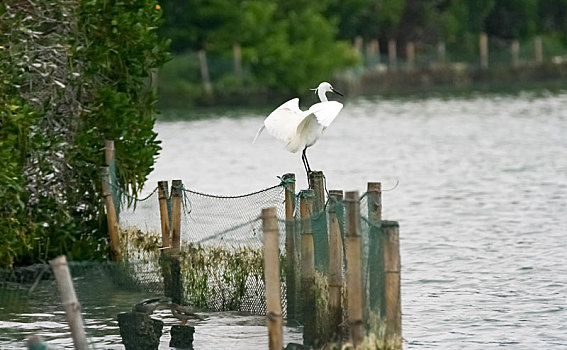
(481, 201)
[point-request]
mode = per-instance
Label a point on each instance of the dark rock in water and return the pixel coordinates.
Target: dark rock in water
(139, 331)
(294, 346)
(182, 337)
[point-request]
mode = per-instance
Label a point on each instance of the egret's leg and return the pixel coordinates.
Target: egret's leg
(306, 161)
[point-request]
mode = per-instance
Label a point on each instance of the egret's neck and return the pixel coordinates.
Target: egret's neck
(322, 95)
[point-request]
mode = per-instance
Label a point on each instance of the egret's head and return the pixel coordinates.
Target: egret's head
(325, 87)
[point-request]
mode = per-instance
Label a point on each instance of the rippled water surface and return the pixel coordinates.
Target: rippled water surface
(481, 201)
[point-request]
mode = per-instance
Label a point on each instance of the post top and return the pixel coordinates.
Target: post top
(374, 187)
(388, 223)
(269, 212)
(316, 173)
(352, 196)
(288, 176)
(337, 194)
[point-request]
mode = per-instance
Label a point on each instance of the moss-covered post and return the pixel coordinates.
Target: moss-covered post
(375, 302)
(354, 283)
(272, 277)
(307, 268)
(111, 217)
(176, 283)
(392, 267)
(320, 236)
(335, 265)
(291, 248)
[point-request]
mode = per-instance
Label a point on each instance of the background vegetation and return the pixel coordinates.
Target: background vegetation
(73, 74)
(289, 46)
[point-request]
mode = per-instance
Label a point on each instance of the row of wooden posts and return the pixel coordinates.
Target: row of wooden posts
(312, 205)
(372, 50)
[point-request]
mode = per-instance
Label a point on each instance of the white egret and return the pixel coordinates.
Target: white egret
(301, 129)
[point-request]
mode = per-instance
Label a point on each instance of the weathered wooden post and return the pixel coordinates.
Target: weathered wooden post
(410, 56)
(272, 277)
(441, 52)
(354, 283)
(205, 73)
(291, 248)
(392, 54)
(307, 268)
(70, 302)
(176, 284)
(111, 217)
(109, 152)
(335, 264)
(237, 53)
(392, 267)
(538, 49)
(319, 220)
(358, 43)
(164, 215)
(483, 42)
(515, 53)
(375, 264)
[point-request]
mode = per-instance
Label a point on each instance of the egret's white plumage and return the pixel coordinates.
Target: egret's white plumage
(301, 129)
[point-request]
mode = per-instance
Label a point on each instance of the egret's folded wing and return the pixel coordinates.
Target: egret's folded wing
(326, 112)
(282, 122)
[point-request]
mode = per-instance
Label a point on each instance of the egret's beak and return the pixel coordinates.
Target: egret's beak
(336, 92)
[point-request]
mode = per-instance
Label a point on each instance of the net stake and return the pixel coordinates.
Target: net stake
(272, 277)
(291, 246)
(335, 264)
(163, 214)
(307, 268)
(354, 283)
(392, 267)
(320, 236)
(111, 217)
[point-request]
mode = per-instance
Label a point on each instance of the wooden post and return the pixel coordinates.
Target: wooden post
(483, 42)
(272, 277)
(237, 53)
(109, 152)
(375, 255)
(410, 56)
(320, 236)
(307, 268)
(392, 54)
(164, 215)
(176, 194)
(538, 48)
(70, 302)
(392, 267)
(205, 73)
(292, 260)
(358, 42)
(335, 265)
(354, 284)
(515, 53)
(110, 216)
(441, 52)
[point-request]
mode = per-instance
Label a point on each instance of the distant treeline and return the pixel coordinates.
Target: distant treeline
(288, 46)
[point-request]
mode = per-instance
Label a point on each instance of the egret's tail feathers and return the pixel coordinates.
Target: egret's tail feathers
(258, 133)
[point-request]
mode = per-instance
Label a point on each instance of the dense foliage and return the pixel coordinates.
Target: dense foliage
(289, 46)
(72, 75)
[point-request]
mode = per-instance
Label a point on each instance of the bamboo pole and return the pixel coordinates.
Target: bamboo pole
(111, 217)
(483, 43)
(392, 267)
(307, 268)
(109, 152)
(164, 215)
(272, 277)
(205, 73)
(292, 273)
(392, 54)
(70, 302)
(515, 53)
(538, 48)
(410, 56)
(320, 236)
(237, 53)
(176, 216)
(335, 265)
(354, 284)
(375, 256)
